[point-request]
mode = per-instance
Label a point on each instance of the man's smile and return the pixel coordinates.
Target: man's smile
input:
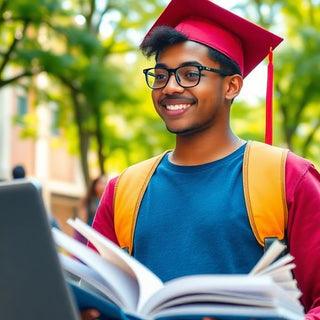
(176, 103)
(177, 106)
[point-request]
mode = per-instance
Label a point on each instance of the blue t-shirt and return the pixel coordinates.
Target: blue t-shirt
(193, 220)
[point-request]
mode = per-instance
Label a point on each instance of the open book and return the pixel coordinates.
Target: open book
(122, 288)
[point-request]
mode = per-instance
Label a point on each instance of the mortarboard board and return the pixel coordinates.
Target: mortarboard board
(239, 39)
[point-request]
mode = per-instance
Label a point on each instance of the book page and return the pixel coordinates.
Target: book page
(214, 298)
(222, 291)
(198, 311)
(83, 272)
(279, 270)
(227, 285)
(148, 282)
(283, 277)
(125, 288)
(278, 264)
(268, 257)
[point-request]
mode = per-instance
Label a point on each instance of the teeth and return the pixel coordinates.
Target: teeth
(177, 106)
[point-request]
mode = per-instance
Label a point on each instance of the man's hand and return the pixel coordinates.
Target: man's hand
(89, 314)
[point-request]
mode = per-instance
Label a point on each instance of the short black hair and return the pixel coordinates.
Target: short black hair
(162, 37)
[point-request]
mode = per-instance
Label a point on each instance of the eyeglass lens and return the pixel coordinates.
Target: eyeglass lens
(186, 76)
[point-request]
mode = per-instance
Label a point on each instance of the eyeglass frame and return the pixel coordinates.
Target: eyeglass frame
(174, 71)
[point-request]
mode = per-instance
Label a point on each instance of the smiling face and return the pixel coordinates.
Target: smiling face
(187, 111)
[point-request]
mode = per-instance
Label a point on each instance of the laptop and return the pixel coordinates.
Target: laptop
(31, 279)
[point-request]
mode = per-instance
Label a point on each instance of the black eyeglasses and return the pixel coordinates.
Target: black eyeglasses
(186, 76)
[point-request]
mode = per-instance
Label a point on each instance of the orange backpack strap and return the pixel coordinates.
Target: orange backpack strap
(129, 190)
(264, 190)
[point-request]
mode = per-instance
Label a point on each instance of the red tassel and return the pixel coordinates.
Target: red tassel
(269, 101)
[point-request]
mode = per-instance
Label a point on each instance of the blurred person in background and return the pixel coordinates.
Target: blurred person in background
(89, 203)
(18, 172)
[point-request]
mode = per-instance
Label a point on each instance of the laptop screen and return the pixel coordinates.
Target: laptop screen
(31, 279)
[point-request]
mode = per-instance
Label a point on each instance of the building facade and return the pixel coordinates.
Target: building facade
(44, 156)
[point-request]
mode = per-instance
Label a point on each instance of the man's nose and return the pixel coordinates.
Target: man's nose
(172, 85)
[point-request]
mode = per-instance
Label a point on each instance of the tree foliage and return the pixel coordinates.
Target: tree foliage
(87, 50)
(297, 72)
(79, 45)
(298, 87)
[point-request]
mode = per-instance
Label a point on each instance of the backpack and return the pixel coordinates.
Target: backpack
(264, 191)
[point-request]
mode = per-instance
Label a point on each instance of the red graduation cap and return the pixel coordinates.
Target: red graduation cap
(239, 39)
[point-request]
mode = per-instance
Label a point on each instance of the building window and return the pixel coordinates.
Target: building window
(22, 108)
(54, 123)
(54, 118)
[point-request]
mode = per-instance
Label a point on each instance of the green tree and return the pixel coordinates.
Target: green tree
(19, 21)
(76, 47)
(93, 81)
(298, 88)
(297, 72)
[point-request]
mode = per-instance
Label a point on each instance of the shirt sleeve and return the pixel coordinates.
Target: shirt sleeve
(303, 198)
(103, 220)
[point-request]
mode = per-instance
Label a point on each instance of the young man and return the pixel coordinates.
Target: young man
(193, 216)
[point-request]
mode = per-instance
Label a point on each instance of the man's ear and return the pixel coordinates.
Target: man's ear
(234, 85)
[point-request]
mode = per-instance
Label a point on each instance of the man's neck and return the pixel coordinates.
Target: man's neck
(196, 150)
